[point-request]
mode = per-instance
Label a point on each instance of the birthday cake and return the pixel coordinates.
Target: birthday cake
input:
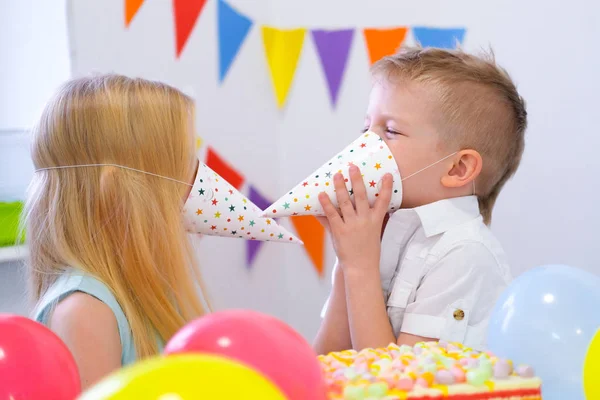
(427, 371)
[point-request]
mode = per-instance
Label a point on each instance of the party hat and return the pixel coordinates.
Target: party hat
(216, 208)
(369, 152)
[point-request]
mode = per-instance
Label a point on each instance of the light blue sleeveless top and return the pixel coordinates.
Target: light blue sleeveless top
(76, 281)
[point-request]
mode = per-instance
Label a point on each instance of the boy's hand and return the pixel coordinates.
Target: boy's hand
(356, 230)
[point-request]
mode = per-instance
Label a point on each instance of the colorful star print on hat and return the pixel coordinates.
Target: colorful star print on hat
(369, 152)
(214, 207)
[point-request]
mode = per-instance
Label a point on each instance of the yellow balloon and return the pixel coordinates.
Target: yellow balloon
(183, 377)
(591, 369)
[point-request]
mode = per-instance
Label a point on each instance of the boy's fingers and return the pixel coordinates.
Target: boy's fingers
(360, 192)
(332, 215)
(385, 196)
(343, 197)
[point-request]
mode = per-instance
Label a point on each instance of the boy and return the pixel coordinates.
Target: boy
(455, 124)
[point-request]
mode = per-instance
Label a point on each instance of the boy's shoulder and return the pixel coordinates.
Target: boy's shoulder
(472, 233)
(456, 226)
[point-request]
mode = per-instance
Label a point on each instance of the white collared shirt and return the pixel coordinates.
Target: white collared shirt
(442, 270)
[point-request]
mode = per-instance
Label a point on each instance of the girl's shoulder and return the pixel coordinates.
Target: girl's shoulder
(73, 281)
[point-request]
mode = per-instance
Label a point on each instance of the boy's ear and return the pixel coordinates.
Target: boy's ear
(465, 169)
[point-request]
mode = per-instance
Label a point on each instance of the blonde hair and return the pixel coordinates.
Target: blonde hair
(120, 226)
(480, 109)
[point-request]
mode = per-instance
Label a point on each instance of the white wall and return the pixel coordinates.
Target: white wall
(13, 294)
(547, 212)
(34, 60)
(34, 57)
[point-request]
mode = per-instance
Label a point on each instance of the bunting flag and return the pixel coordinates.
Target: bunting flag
(221, 167)
(253, 246)
(282, 48)
(312, 233)
(446, 38)
(233, 28)
(383, 42)
(333, 48)
(131, 9)
(186, 13)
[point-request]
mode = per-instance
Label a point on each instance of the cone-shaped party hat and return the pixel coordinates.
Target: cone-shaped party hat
(214, 207)
(369, 152)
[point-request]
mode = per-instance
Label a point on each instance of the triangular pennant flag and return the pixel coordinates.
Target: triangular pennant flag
(223, 168)
(214, 207)
(369, 153)
(333, 48)
(233, 29)
(312, 233)
(186, 13)
(282, 48)
(253, 246)
(383, 42)
(445, 38)
(131, 9)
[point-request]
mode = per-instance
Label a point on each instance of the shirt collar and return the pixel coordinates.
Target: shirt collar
(443, 215)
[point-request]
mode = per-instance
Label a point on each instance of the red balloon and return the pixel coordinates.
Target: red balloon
(261, 342)
(34, 362)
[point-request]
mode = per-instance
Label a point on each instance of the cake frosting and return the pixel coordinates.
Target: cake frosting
(427, 371)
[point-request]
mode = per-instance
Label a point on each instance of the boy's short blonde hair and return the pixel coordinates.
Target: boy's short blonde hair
(480, 109)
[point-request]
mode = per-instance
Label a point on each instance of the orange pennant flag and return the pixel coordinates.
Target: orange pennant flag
(312, 233)
(186, 14)
(131, 9)
(383, 42)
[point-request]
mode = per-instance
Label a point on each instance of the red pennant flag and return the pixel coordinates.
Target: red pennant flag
(221, 167)
(131, 9)
(312, 233)
(186, 14)
(383, 42)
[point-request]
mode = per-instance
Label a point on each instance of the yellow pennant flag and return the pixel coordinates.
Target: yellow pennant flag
(282, 48)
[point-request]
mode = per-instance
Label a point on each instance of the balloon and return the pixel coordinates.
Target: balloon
(591, 369)
(34, 362)
(184, 377)
(260, 341)
(547, 318)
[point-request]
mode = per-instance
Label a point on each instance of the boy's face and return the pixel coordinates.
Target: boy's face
(404, 115)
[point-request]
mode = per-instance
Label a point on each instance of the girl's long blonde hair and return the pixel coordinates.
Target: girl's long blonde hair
(120, 226)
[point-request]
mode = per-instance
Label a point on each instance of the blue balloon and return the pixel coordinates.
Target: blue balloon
(546, 318)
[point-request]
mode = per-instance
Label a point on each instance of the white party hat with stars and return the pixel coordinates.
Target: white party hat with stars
(216, 208)
(369, 152)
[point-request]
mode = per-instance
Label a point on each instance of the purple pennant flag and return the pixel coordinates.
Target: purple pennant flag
(333, 47)
(252, 246)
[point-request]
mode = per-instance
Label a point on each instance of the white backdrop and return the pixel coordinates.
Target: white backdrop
(547, 214)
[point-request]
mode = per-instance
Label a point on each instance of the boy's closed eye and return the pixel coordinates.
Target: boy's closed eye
(394, 133)
(389, 131)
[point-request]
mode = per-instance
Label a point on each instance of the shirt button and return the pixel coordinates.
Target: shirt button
(459, 314)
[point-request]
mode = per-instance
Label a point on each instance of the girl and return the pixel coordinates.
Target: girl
(111, 269)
